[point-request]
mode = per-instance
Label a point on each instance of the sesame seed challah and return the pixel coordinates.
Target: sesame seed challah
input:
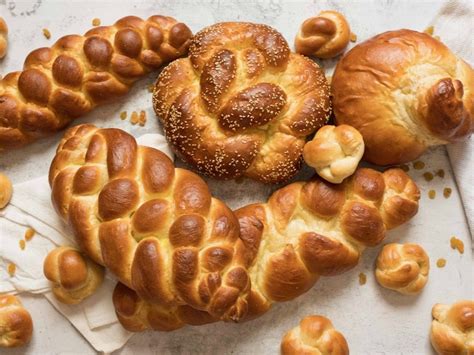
(77, 73)
(241, 104)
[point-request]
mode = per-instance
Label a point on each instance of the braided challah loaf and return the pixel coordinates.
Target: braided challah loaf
(452, 329)
(157, 228)
(242, 103)
(403, 268)
(315, 335)
(73, 275)
(16, 325)
(3, 38)
(323, 36)
(305, 230)
(78, 73)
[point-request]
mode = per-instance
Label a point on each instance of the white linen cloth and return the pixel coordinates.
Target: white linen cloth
(31, 208)
(453, 16)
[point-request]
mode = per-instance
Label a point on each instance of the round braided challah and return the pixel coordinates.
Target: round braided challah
(156, 227)
(242, 103)
(78, 73)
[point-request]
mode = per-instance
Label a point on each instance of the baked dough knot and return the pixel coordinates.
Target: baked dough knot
(315, 335)
(403, 267)
(16, 325)
(241, 104)
(452, 329)
(77, 73)
(156, 227)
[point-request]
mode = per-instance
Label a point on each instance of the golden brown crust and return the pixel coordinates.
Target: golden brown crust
(74, 276)
(315, 335)
(452, 329)
(334, 152)
(77, 73)
(403, 268)
(242, 103)
(6, 190)
(157, 228)
(323, 36)
(16, 325)
(404, 91)
(3, 38)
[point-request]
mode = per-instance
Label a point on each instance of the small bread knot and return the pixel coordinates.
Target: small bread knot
(74, 276)
(335, 152)
(452, 329)
(3, 38)
(16, 325)
(6, 190)
(323, 36)
(314, 335)
(403, 268)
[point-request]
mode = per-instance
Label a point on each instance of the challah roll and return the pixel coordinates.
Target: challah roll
(73, 275)
(404, 91)
(16, 325)
(241, 104)
(3, 38)
(6, 190)
(403, 268)
(323, 36)
(334, 152)
(452, 329)
(315, 335)
(77, 73)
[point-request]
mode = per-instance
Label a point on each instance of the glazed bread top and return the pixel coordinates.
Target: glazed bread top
(241, 103)
(16, 325)
(404, 91)
(77, 73)
(3, 38)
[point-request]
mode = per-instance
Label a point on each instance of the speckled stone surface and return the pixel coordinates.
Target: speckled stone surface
(374, 320)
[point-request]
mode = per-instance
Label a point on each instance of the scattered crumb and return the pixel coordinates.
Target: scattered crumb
(123, 115)
(429, 30)
(29, 234)
(405, 167)
(362, 278)
(440, 173)
(46, 33)
(22, 244)
(134, 118)
(457, 244)
(353, 37)
(418, 165)
(151, 88)
(432, 194)
(11, 269)
(96, 22)
(428, 176)
(142, 118)
(437, 38)
(441, 263)
(447, 192)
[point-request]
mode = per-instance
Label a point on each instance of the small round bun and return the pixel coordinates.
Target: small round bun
(403, 268)
(452, 329)
(404, 91)
(3, 38)
(16, 325)
(315, 335)
(6, 190)
(334, 152)
(74, 276)
(323, 36)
